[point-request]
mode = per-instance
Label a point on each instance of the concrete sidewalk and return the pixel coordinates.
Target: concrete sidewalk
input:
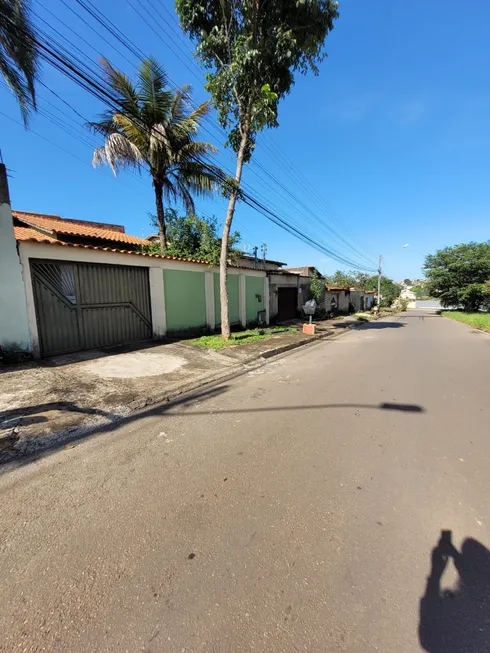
(60, 398)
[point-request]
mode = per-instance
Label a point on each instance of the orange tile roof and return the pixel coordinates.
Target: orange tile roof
(55, 224)
(29, 235)
(26, 233)
(337, 288)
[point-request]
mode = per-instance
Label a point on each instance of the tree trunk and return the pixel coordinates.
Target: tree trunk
(162, 229)
(223, 262)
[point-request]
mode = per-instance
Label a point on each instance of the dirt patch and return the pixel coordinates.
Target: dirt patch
(135, 365)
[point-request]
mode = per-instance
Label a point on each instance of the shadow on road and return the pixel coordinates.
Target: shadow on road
(404, 408)
(457, 620)
(369, 325)
(31, 414)
(113, 423)
(194, 398)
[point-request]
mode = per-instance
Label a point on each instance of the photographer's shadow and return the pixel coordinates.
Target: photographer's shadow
(458, 620)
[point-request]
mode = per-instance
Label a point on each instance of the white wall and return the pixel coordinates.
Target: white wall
(14, 330)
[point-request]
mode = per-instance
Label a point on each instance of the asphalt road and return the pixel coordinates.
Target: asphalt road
(293, 509)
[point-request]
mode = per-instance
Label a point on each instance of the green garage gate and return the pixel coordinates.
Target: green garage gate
(85, 306)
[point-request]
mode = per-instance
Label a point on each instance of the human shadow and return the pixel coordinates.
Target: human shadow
(457, 620)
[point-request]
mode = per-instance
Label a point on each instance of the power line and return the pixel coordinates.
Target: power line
(81, 74)
(290, 166)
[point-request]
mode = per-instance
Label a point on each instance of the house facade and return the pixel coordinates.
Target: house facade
(70, 285)
(289, 289)
(337, 300)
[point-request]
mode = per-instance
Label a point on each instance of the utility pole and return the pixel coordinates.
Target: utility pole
(380, 261)
(255, 257)
(263, 248)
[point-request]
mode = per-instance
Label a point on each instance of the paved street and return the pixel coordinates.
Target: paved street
(292, 509)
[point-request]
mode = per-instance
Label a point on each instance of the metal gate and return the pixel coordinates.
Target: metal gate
(84, 306)
(287, 300)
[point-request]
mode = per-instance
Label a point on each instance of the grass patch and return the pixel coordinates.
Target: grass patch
(216, 342)
(476, 320)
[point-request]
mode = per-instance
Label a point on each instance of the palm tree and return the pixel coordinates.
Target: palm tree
(18, 53)
(151, 128)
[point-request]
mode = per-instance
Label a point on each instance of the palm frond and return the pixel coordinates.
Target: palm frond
(188, 126)
(118, 152)
(201, 179)
(155, 128)
(178, 108)
(18, 53)
(155, 98)
(185, 195)
(200, 112)
(195, 150)
(105, 126)
(169, 189)
(127, 94)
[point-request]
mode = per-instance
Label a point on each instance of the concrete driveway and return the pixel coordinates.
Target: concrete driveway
(293, 509)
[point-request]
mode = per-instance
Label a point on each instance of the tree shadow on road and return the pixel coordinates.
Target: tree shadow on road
(403, 408)
(369, 325)
(33, 414)
(177, 406)
(457, 620)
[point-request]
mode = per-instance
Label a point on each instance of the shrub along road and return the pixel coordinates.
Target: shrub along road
(293, 509)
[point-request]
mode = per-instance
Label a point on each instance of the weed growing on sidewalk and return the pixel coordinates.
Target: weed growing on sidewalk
(242, 338)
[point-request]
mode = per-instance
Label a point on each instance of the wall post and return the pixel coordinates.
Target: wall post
(210, 309)
(157, 301)
(267, 299)
(242, 294)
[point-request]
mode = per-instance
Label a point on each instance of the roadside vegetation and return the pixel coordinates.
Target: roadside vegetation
(459, 276)
(390, 291)
(476, 320)
(191, 236)
(216, 342)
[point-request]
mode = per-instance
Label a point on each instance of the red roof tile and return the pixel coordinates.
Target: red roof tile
(25, 233)
(55, 224)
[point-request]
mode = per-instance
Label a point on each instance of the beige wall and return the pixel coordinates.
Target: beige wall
(342, 300)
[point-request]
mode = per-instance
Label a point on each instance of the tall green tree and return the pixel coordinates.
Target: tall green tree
(152, 129)
(191, 236)
(389, 289)
(343, 279)
(352, 279)
(252, 49)
(19, 57)
(460, 275)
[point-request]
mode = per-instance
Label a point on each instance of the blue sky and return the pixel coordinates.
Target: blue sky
(389, 145)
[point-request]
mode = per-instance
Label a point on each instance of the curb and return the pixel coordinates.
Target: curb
(59, 438)
(240, 368)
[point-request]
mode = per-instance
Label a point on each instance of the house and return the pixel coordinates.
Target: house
(369, 299)
(289, 289)
(243, 260)
(69, 285)
(337, 300)
(407, 294)
(362, 300)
